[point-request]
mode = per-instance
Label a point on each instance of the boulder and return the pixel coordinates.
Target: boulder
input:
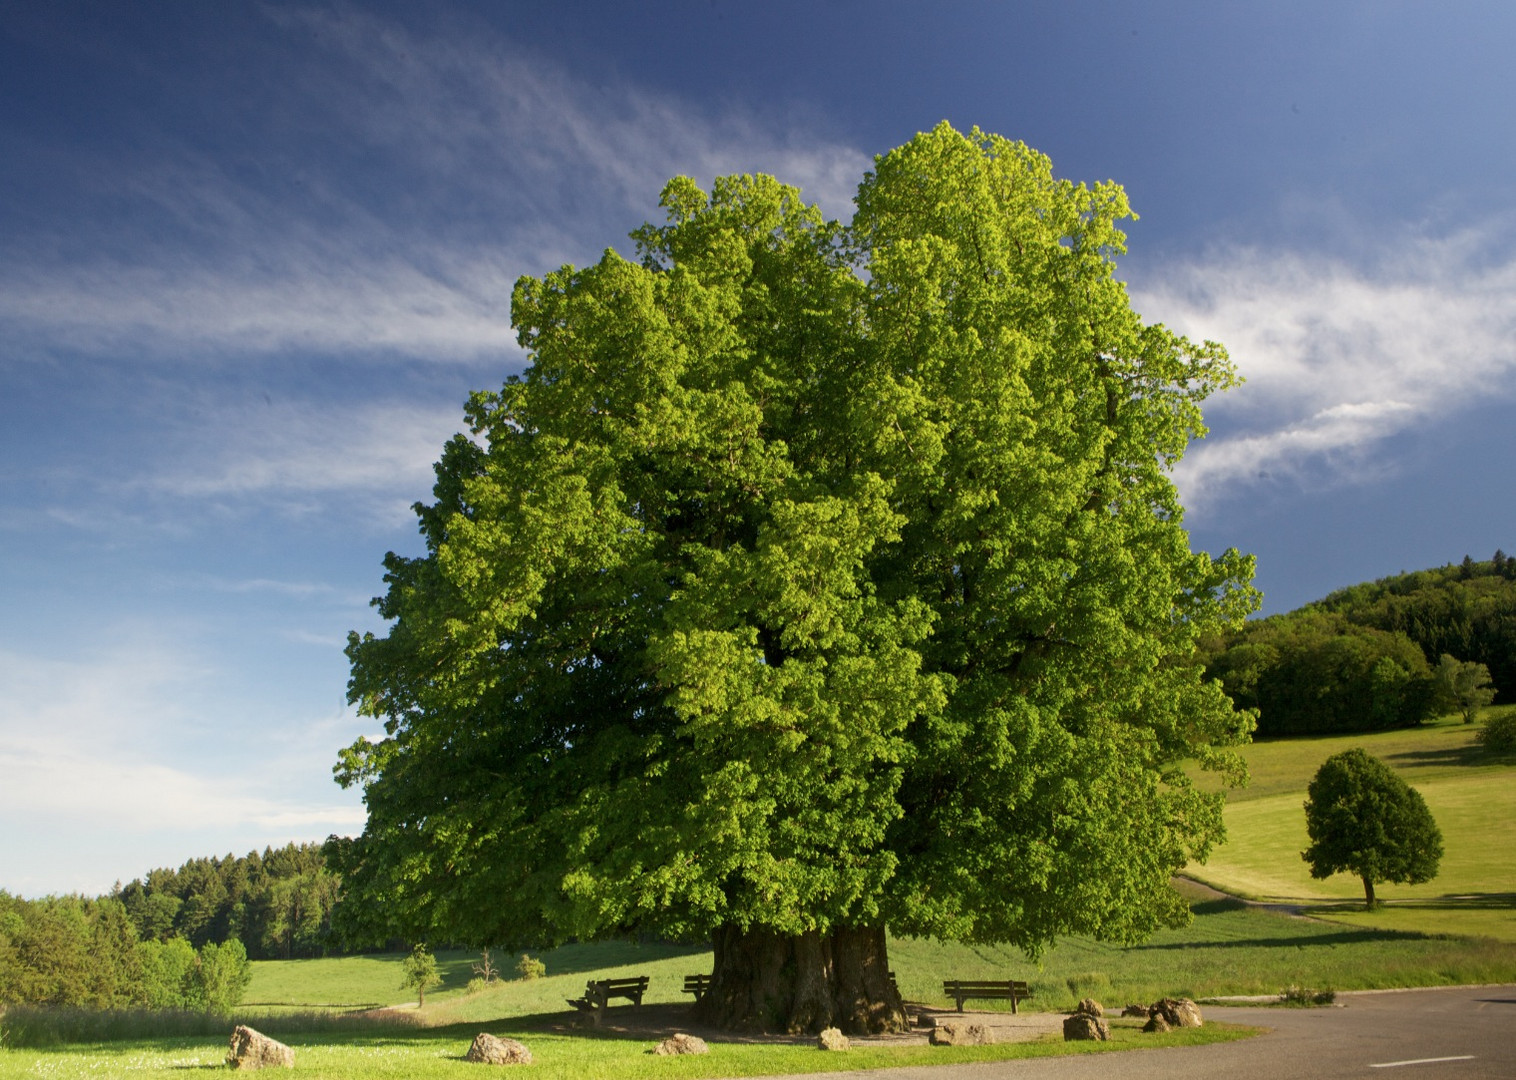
(1156, 1024)
(833, 1039)
(681, 1043)
(1178, 1012)
(1090, 1007)
(488, 1050)
(960, 1033)
(1084, 1026)
(1135, 1010)
(253, 1050)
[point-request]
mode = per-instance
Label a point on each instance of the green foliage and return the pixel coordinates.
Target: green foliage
(811, 575)
(279, 903)
(1463, 686)
(1466, 610)
(169, 974)
(420, 972)
(529, 967)
(1303, 997)
(222, 974)
(1364, 820)
(1312, 672)
(68, 951)
(1498, 735)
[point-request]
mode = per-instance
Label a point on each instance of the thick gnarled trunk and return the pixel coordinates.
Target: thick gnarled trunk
(762, 981)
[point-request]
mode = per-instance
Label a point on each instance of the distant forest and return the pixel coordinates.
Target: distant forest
(1389, 653)
(173, 939)
(278, 904)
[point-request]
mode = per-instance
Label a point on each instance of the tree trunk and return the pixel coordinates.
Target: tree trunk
(1368, 895)
(762, 981)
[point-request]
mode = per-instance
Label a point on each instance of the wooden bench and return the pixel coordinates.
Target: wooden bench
(960, 990)
(598, 993)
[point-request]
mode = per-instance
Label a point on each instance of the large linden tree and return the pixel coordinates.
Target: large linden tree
(814, 581)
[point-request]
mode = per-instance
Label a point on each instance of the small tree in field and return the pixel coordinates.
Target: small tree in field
(421, 973)
(1365, 820)
(1463, 686)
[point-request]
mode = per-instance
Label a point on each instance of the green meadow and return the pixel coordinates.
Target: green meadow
(348, 1017)
(1471, 793)
(1229, 948)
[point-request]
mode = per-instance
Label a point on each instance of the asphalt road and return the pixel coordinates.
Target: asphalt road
(1446, 1034)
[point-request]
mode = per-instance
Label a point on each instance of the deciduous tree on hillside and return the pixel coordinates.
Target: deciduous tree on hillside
(813, 579)
(1365, 820)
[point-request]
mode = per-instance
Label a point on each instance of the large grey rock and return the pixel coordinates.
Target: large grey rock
(1084, 1026)
(489, 1050)
(1177, 1012)
(1090, 1007)
(254, 1050)
(833, 1039)
(681, 1044)
(961, 1033)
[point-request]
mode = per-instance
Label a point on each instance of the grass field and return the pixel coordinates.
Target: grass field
(438, 1052)
(1471, 794)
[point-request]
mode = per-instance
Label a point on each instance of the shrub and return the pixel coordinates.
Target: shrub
(529, 967)
(1302, 997)
(1499, 733)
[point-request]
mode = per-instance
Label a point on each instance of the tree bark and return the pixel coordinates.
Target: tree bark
(762, 981)
(1368, 894)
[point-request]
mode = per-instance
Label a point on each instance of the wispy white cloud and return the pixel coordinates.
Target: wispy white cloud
(484, 164)
(120, 742)
(306, 449)
(1338, 357)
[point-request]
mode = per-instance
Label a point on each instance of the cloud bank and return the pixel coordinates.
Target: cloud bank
(1338, 357)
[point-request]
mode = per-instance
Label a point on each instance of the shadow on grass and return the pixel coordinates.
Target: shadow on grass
(1300, 941)
(1450, 755)
(1464, 902)
(577, 959)
(1217, 907)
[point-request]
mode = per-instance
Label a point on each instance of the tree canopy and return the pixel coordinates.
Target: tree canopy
(812, 576)
(1365, 820)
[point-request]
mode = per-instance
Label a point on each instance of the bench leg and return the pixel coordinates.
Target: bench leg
(960, 1004)
(1013, 1004)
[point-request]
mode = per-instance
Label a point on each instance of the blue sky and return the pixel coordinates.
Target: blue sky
(254, 257)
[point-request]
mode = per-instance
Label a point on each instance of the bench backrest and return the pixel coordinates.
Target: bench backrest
(971, 986)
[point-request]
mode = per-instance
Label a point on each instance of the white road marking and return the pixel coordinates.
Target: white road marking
(1421, 1061)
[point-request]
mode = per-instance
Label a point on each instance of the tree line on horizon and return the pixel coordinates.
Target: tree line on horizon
(175, 938)
(1383, 654)
(278, 903)
(82, 952)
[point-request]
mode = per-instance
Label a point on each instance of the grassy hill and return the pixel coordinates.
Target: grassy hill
(1471, 793)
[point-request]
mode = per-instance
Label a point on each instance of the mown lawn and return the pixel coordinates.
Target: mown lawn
(1471, 794)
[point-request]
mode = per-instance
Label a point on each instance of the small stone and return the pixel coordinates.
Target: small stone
(1083, 1026)
(253, 1050)
(1178, 1012)
(1156, 1024)
(1090, 1007)
(681, 1043)
(488, 1050)
(959, 1033)
(833, 1039)
(1135, 1010)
